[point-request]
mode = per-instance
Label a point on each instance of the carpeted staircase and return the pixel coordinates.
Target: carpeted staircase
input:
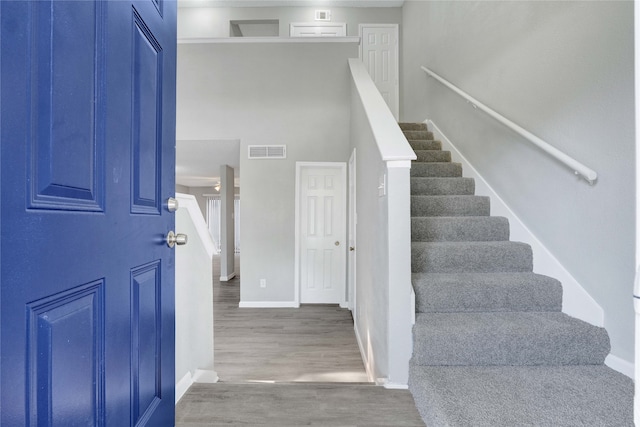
(491, 345)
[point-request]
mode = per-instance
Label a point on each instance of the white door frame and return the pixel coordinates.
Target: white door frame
(342, 166)
(352, 221)
(636, 299)
(394, 27)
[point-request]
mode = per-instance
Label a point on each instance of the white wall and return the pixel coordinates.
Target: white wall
(281, 93)
(564, 71)
(214, 22)
(194, 298)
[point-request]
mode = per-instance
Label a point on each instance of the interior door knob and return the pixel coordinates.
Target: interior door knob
(176, 239)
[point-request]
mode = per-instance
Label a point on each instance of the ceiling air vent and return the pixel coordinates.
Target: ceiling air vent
(267, 151)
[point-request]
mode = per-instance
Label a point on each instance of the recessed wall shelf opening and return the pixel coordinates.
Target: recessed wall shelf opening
(254, 28)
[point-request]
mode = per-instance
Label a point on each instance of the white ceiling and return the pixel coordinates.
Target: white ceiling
(282, 3)
(198, 162)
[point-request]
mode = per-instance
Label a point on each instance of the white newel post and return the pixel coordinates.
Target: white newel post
(400, 341)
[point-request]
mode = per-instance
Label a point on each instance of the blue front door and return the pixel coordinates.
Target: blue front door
(87, 159)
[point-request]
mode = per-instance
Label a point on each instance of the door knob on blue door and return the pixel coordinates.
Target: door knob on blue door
(172, 204)
(176, 239)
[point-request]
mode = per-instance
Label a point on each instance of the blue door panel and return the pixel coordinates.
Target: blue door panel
(60, 30)
(147, 113)
(66, 356)
(146, 339)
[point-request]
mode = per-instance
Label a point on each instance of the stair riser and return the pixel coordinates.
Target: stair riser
(436, 170)
(418, 134)
(459, 229)
(449, 206)
(432, 156)
(465, 257)
(486, 293)
(426, 145)
(443, 339)
(442, 186)
(413, 126)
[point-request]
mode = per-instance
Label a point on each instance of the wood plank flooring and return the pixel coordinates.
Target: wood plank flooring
(284, 367)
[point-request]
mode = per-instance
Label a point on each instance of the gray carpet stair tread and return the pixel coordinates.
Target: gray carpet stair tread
(435, 186)
(478, 292)
(459, 229)
(425, 144)
(436, 169)
(432, 156)
(507, 338)
(467, 257)
(507, 396)
(418, 134)
(412, 126)
(450, 205)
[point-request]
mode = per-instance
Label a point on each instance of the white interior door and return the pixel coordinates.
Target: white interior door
(379, 52)
(351, 258)
(322, 235)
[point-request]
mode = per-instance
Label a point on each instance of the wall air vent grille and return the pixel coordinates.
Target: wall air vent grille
(267, 151)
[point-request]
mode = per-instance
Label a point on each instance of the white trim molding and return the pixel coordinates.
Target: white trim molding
(620, 365)
(199, 376)
(227, 278)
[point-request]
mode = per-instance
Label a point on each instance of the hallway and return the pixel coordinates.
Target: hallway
(287, 366)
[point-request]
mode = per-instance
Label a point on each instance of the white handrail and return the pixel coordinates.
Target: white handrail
(579, 169)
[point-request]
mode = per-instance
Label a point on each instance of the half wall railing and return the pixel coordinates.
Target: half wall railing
(383, 312)
(579, 169)
(194, 311)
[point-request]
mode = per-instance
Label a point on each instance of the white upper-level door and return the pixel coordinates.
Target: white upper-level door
(379, 53)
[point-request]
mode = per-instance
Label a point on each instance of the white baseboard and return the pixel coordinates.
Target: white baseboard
(394, 386)
(620, 365)
(227, 278)
(576, 301)
(199, 376)
(365, 360)
(268, 304)
(205, 376)
(183, 385)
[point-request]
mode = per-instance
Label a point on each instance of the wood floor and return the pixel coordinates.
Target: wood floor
(285, 367)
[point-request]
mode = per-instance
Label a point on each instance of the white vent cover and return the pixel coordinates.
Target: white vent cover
(267, 151)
